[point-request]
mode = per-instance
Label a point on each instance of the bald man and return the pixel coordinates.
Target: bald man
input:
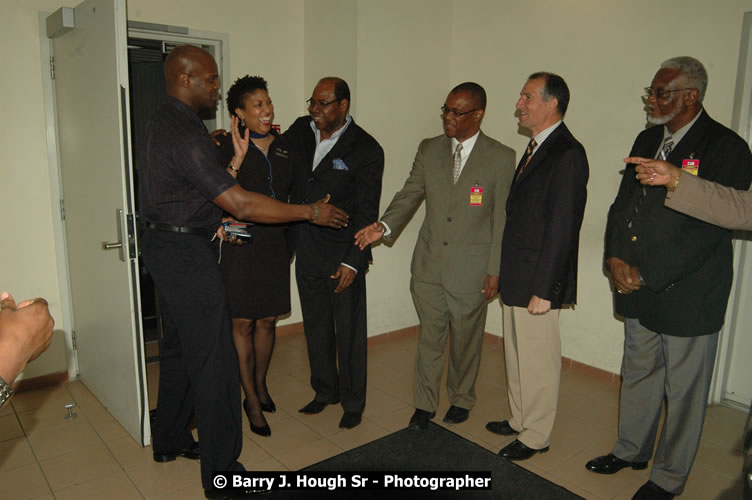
(183, 192)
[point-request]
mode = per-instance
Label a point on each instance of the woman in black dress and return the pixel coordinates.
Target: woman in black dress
(257, 273)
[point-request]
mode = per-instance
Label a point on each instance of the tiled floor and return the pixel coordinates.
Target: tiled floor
(44, 456)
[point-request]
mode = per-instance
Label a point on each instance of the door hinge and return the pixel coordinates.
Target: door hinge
(62, 209)
(73, 339)
(52, 67)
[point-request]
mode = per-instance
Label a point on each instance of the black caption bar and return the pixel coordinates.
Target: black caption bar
(236, 482)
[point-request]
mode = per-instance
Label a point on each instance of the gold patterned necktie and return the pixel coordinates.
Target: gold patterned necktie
(457, 162)
(528, 155)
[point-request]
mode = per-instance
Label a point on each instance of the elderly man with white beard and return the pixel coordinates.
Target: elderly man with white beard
(672, 276)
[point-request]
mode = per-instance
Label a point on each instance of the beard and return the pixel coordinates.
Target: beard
(664, 119)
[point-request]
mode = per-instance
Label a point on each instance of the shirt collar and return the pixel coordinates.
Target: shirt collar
(337, 133)
(467, 144)
(679, 134)
(543, 135)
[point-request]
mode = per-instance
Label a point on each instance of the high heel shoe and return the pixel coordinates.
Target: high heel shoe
(269, 407)
(261, 430)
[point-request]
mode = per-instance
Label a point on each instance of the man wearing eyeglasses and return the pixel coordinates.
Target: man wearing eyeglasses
(672, 276)
(464, 178)
(341, 160)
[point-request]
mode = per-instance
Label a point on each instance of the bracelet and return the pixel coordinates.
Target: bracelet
(315, 213)
(675, 184)
(236, 170)
(5, 392)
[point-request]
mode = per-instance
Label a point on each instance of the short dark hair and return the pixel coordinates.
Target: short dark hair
(476, 92)
(341, 88)
(242, 87)
(555, 86)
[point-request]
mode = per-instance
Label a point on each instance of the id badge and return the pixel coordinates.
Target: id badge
(476, 196)
(691, 166)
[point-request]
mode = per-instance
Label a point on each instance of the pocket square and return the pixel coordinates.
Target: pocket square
(338, 164)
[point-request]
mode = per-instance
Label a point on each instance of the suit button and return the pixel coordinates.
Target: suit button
(311, 179)
(445, 243)
(634, 238)
(449, 219)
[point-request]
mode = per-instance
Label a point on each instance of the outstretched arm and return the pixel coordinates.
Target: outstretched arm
(25, 333)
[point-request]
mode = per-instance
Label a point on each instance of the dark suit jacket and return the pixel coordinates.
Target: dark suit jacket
(544, 214)
(686, 263)
(351, 174)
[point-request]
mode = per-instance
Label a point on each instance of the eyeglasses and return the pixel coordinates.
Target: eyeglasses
(456, 112)
(321, 104)
(661, 93)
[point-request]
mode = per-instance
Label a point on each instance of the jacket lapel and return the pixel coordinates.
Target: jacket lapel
(340, 149)
(476, 157)
(540, 155)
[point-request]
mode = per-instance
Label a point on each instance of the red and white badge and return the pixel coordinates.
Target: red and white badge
(691, 166)
(476, 196)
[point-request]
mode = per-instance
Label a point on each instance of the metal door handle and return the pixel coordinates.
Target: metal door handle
(112, 245)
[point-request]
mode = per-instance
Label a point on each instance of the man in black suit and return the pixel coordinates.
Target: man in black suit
(339, 159)
(672, 274)
(539, 262)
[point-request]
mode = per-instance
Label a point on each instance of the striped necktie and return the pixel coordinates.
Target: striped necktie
(668, 145)
(528, 156)
(457, 162)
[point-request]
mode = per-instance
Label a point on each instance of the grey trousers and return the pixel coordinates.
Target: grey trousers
(655, 368)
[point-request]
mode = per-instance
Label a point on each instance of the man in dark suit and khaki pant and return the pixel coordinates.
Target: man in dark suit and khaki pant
(672, 276)
(340, 160)
(464, 177)
(539, 262)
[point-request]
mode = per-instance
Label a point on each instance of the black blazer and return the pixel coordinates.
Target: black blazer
(686, 263)
(351, 173)
(544, 214)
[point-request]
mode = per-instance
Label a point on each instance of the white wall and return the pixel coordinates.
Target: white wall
(401, 58)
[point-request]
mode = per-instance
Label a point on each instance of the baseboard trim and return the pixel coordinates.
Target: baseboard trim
(488, 338)
(30, 384)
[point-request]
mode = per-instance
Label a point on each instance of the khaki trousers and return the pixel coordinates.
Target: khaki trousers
(532, 351)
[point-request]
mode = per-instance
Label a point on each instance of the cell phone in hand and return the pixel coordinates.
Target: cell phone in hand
(238, 230)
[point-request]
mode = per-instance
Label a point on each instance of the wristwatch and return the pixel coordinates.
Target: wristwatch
(5, 392)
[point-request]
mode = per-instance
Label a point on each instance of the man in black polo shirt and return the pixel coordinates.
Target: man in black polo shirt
(183, 193)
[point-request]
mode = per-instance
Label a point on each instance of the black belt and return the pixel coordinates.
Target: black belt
(178, 229)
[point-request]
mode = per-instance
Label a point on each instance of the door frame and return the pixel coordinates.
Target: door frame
(741, 123)
(220, 41)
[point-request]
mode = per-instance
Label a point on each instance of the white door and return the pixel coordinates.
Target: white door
(91, 95)
(738, 387)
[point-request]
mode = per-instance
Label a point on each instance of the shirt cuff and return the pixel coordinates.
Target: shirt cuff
(351, 267)
(387, 229)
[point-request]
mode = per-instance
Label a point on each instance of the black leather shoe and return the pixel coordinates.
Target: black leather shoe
(610, 464)
(456, 415)
(420, 419)
(502, 428)
(315, 407)
(651, 491)
(269, 407)
(261, 430)
(191, 453)
(516, 450)
(350, 419)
